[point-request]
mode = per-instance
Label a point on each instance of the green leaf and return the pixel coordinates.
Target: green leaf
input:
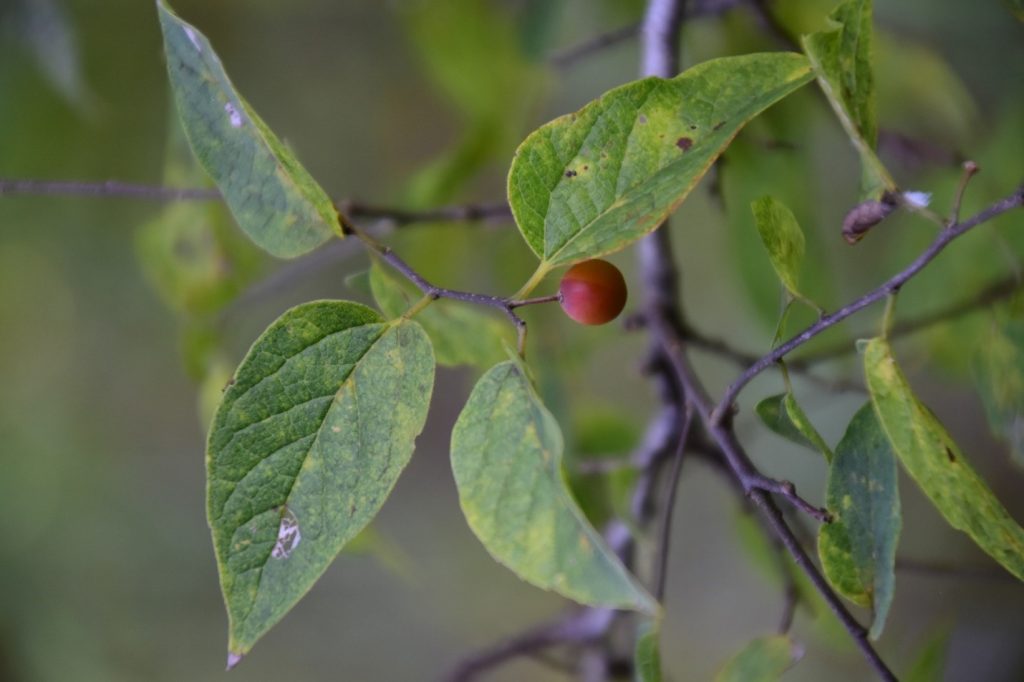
(782, 238)
(752, 167)
(762, 660)
(273, 198)
(999, 374)
(306, 446)
(783, 415)
(930, 456)
(507, 460)
(590, 183)
(841, 57)
(648, 652)
(461, 333)
(858, 549)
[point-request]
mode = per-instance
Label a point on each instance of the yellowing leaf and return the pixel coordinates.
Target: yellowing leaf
(507, 460)
(782, 238)
(937, 464)
(858, 549)
(592, 182)
(841, 57)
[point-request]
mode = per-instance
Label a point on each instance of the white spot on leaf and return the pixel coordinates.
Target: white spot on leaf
(288, 535)
(192, 37)
(234, 115)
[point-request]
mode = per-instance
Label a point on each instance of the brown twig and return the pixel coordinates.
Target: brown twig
(995, 292)
(353, 209)
(970, 170)
(565, 58)
(759, 494)
(664, 541)
(460, 213)
(888, 288)
(577, 629)
(107, 188)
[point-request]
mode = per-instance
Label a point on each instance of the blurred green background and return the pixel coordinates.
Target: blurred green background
(106, 568)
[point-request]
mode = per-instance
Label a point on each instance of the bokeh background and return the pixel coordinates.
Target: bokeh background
(106, 568)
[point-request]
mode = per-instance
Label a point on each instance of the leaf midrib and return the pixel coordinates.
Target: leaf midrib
(319, 430)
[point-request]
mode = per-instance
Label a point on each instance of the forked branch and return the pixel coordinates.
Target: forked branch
(889, 287)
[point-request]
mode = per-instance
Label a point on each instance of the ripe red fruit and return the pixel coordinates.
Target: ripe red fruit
(593, 292)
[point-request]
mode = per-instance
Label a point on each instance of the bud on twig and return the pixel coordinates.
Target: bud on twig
(864, 216)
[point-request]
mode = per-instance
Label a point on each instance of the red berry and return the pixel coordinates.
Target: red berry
(593, 292)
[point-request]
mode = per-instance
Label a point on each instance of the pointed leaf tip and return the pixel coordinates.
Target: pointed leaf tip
(271, 196)
(841, 55)
(782, 238)
(233, 659)
(858, 549)
(507, 460)
(306, 446)
(592, 182)
(936, 463)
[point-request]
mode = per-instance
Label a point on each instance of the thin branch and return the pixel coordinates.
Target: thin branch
(970, 170)
(891, 286)
(108, 188)
(721, 348)
(743, 470)
(535, 301)
(855, 629)
(565, 58)
(432, 292)
(749, 477)
(357, 210)
(664, 314)
(460, 213)
(661, 576)
(995, 292)
(526, 643)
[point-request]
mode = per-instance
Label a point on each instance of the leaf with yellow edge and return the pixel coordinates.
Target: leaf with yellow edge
(841, 56)
(937, 464)
(594, 181)
(858, 549)
(507, 460)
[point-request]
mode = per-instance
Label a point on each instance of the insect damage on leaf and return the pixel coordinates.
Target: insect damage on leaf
(288, 535)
